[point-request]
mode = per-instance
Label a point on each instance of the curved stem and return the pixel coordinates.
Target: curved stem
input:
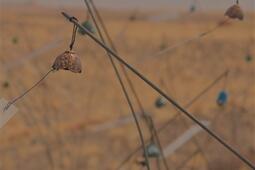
(27, 91)
(122, 86)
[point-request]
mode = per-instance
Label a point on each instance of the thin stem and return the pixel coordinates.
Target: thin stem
(190, 103)
(157, 140)
(27, 91)
(122, 86)
(183, 164)
(149, 123)
(157, 89)
(73, 37)
(186, 41)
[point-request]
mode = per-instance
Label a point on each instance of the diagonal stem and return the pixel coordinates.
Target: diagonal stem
(157, 89)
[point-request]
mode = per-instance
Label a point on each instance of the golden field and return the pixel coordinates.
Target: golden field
(55, 127)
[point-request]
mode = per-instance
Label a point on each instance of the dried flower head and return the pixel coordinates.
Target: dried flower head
(68, 60)
(235, 12)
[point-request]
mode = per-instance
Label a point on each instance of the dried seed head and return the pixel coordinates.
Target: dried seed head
(235, 12)
(68, 60)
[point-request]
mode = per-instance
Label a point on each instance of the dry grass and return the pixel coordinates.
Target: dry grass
(52, 127)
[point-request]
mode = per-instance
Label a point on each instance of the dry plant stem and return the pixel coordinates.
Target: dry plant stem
(157, 140)
(27, 91)
(130, 84)
(122, 86)
(191, 102)
(187, 41)
(184, 163)
(216, 117)
(158, 163)
(121, 65)
(199, 148)
(173, 102)
(31, 119)
(141, 108)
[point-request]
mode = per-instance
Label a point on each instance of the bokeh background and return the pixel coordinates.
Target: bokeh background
(82, 121)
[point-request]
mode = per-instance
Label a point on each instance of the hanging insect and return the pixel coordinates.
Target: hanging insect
(89, 26)
(68, 60)
(235, 12)
(222, 98)
(15, 40)
(152, 151)
(160, 102)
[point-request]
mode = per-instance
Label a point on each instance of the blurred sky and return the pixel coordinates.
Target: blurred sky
(142, 4)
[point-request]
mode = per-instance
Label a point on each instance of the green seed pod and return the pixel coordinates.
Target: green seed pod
(152, 151)
(89, 26)
(160, 102)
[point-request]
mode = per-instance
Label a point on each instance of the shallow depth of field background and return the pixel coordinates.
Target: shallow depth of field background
(56, 126)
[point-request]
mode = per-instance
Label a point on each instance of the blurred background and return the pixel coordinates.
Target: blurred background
(82, 121)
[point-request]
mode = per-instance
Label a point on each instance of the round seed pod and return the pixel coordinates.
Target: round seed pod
(152, 151)
(222, 98)
(89, 26)
(68, 60)
(160, 102)
(235, 12)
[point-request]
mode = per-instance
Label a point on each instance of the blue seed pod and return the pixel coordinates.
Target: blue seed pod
(222, 98)
(160, 102)
(152, 151)
(89, 26)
